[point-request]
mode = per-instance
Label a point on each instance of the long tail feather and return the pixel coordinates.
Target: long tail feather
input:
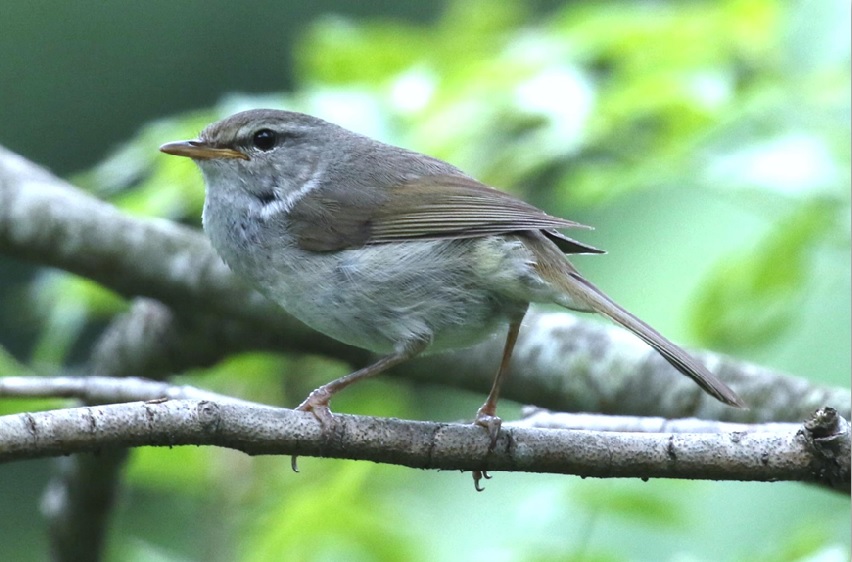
(679, 359)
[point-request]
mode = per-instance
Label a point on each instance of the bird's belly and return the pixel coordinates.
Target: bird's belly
(379, 297)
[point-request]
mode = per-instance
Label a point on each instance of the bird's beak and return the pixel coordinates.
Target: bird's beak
(199, 150)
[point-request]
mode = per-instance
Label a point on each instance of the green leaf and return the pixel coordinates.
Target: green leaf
(755, 295)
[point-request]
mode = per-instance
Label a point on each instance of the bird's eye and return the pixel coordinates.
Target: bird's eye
(264, 139)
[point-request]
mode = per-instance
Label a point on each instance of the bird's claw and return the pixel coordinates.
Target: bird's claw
(317, 404)
(492, 424)
(477, 476)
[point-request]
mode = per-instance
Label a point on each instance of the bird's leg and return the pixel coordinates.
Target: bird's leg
(317, 401)
(487, 414)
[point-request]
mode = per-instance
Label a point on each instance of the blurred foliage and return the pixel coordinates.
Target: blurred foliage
(11, 367)
(594, 102)
(358, 530)
(616, 499)
(744, 100)
(767, 282)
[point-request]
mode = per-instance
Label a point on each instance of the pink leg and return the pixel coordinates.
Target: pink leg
(487, 414)
(317, 401)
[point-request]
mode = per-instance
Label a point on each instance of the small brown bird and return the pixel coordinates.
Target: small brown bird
(390, 250)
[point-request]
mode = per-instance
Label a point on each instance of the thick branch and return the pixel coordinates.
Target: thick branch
(793, 455)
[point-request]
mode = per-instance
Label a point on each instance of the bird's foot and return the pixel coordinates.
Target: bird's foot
(491, 423)
(317, 404)
(487, 419)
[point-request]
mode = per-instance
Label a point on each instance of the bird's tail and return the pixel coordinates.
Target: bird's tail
(582, 291)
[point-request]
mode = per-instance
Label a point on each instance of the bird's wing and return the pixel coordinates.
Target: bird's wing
(428, 208)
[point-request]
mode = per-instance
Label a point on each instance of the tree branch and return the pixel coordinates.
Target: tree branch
(108, 390)
(78, 501)
(561, 362)
(545, 419)
(111, 390)
(808, 455)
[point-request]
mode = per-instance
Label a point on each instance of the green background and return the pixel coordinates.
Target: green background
(707, 142)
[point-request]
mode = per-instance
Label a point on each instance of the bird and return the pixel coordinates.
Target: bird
(391, 250)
